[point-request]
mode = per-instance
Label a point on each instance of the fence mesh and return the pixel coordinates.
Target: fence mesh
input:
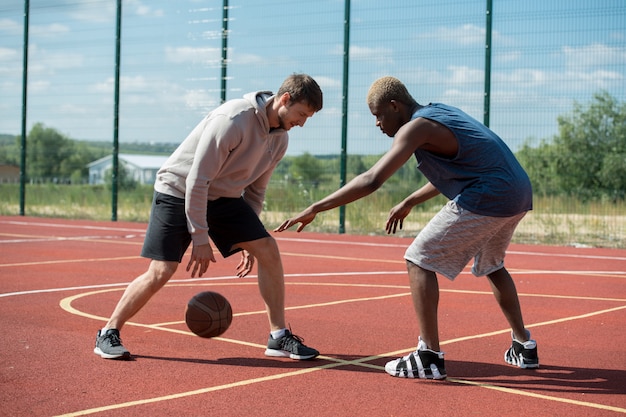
(546, 58)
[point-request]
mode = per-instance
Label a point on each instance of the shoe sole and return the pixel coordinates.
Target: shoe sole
(524, 365)
(284, 354)
(396, 374)
(520, 363)
(103, 355)
(528, 365)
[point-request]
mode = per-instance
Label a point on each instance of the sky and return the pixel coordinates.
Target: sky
(546, 56)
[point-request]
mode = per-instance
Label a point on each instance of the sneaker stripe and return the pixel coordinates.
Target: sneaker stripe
(523, 355)
(414, 365)
(401, 369)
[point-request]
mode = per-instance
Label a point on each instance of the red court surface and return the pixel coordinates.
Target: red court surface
(347, 296)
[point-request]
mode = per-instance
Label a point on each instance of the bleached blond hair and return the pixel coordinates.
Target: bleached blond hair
(385, 89)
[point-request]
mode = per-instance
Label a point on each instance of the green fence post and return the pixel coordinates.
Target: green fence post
(344, 112)
(116, 108)
(24, 112)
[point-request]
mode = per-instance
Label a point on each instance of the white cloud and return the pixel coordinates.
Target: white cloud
(147, 11)
(466, 34)
(507, 56)
(38, 86)
(188, 54)
(522, 78)
(127, 84)
(529, 79)
(327, 82)
(49, 31)
(200, 100)
(43, 61)
(106, 11)
(465, 75)
(377, 54)
(599, 79)
(140, 90)
(593, 55)
(209, 56)
(243, 59)
(11, 27)
(470, 101)
(8, 54)
(73, 110)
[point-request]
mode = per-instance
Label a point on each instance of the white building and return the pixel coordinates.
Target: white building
(141, 168)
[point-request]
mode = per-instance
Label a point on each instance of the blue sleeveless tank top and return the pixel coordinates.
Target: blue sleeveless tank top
(484, 177)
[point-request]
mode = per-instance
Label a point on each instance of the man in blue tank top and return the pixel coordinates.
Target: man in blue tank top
(488, 191)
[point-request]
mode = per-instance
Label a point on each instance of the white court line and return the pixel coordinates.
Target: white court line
(306, 240)
(337, 362)
(178, 281)
(289, 374)
(61, 238)
(300, 275)
(71, 226)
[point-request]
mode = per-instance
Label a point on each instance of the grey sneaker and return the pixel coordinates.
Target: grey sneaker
(424, 363)
(109, 345)
(522, 354)
(289, 346)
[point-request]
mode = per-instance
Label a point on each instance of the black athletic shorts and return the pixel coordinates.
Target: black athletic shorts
(230, 220)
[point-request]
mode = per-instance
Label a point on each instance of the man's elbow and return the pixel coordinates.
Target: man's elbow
(371, 182)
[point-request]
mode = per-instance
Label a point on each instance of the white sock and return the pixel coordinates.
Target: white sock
(277, 334)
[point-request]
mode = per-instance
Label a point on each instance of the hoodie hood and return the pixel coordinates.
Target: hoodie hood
(260, 100)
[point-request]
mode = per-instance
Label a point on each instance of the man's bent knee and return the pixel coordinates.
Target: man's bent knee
(160, 272)
(261, 248)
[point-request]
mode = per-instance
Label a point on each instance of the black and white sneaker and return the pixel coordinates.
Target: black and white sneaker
(109, 345)
(424, 363)
(289, 346)
(522, 354)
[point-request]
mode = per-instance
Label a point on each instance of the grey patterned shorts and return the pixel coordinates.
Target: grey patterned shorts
(455, 235)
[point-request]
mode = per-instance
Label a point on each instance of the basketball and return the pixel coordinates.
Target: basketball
(208, 314)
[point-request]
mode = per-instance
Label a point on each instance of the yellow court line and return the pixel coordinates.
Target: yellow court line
(344, 258)
(46, 238)
(71, 261)
(21, 235)
(336, 363)
(610, 274)
(522, 294)
(506, 331)
(66, 305)
(199, 391)
(540, 396)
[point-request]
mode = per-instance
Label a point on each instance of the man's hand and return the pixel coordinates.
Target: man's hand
(245, 265)
(201, 258)
(396, 217)
(306, 217)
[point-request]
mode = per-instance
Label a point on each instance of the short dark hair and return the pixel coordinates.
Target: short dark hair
(302, 87)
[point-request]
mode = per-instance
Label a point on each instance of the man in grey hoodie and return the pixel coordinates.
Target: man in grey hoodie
(214, 186)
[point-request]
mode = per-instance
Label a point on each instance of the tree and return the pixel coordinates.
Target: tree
(46, 149)
(540, 164)
(50, 156)
(125, 181)
(587, 158)
(307, 169)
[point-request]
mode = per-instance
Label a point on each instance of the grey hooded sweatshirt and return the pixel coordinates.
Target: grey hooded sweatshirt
(230, 153)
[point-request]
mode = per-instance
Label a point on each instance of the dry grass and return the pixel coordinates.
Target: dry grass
(536, 228)
(554, 221)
